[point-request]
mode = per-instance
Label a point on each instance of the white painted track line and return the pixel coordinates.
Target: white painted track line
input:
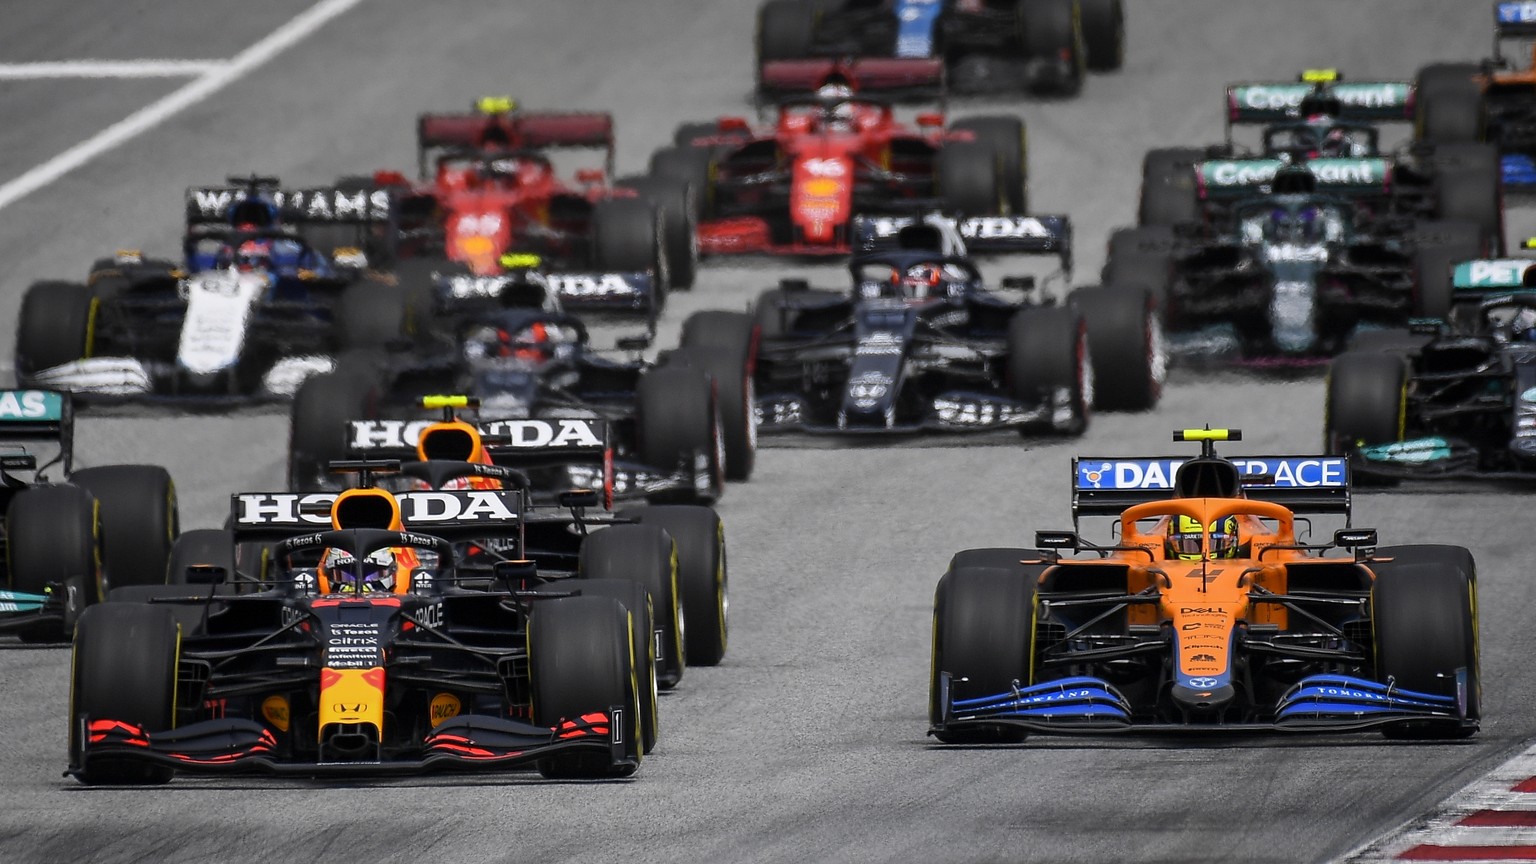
(195, 91)
(108, 69)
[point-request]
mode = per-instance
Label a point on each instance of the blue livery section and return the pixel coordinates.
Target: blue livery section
(1285, 472)
(1519, 170)
(1519, 12)
(916, 21)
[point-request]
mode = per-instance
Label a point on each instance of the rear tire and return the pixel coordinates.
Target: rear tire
(1366, 401)
(1125, 342)
(1438, 247)
(968, 179)
(1468, 181)
(1424, 618)
(1104, 34)
(318, 421)
(111, 683)
(53, 327)
(983, 632)
(1141, 256)
(53, 536)
(1053, 33)
(371, 313)
(1168, 192)
(702, 579)
(725, 344)
(1448, 104)
(676, 421)
(139, 520)
(1048, 352)
(1005, 136)
(786, 29)
(677, 208)
(627, 238)
(579, 663)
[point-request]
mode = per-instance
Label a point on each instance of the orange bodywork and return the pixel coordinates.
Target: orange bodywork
(463, 444)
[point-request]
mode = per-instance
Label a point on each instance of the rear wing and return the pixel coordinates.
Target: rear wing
(1224, 179)
(1496, 274)
(507, 129)
(1365, 101)
(982, 235)
(209, 205)
(514, 443)
(448, 514)
(32, 415)
(896, 77)
(1105, 486)
(1514, 19)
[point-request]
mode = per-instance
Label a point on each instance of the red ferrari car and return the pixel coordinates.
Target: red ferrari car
(793, 187)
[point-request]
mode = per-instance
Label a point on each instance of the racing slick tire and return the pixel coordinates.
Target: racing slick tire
(1448, 103)
(1104, 34)
(676, 420)
(1141, 256)
(1438, 247)
(322, 407)
(1424, 623)
(1047, 352)
(1125, 340)
(724, 343)
(203, 547)
(1168, 193)
(786, 30)
(1005, 136)
(693, 166)
(53, 536)
(139, 521)
(677, 207)
(110, 683)
(1468, 180)
(644, 554)
(698, 536)
(1052, 33)
(771, 311)
(372, 313)
(1366, 401)
(968, 179)
(579, 663)
(54, 326)
(983, 630)
(637, 600)
(628, 237)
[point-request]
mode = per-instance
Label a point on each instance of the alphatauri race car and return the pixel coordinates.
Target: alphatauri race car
(64, 544)
(1206, 612)
(264, 297)
(1042, 46)
(364, 645)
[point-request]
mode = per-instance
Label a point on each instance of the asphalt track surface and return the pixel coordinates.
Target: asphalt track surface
(807, 743)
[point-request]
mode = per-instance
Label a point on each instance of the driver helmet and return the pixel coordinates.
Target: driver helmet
(253, 255)
(1294, 180)
(836, 88)
(918, 282)
(537, 341)
(375, 573)
(1185, 538)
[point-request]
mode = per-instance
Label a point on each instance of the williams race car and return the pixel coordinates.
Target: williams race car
(1452, 398)
(263, 298)
(64, 544)
(359, 651)
(1043, 46)
(1206, 613)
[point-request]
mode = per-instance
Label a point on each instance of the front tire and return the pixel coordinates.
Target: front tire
(579, 659)
(725, 344)
(53, 327)
(1125, 344)
(1424, 618)
(983, 632)
(135, 686)
(1366, 401)
(53, 537)
(1048, 355)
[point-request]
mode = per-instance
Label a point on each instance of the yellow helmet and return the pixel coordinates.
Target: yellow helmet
(1186, 538)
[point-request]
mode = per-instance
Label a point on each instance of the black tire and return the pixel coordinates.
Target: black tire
(318, 420)
(643, 554)
(372, 314)
(983, 634)
(702, 577)
(1103, 34)
(579, 663)
(54, 326)
(693, 166)
(637, 600)
(202, 546)
(786, 30)
(1048, 351)
(1448, 104)
(1141, 256)
(1006, 137)
(1366, 401)
(968, 180)
(1052, 29)
(725, 344)
(110, 683)
(676, 419)
(678, 211)
(1438, 247)
(627, 238)
(1468, 183)
(1168, 192)
(53, 536)
(1424, 619)
(1125, 344)
(139, 521)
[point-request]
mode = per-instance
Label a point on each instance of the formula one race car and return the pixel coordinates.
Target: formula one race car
(1043, 46)
(919, 343)
(64, 544)
(1448, 399)
(680, 427)
(362, 649)
(490, 200)
(1494, 101)
(794, 187)
(1206, 613)
(254, 307)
